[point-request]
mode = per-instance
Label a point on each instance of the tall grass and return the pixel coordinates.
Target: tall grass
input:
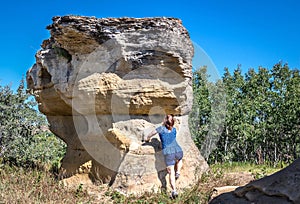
(21, 185)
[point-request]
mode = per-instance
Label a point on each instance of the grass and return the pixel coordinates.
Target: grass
(19, 185)
(258, 171)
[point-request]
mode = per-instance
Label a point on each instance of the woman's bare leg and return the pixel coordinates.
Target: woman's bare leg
(171, 172)
(178, 166)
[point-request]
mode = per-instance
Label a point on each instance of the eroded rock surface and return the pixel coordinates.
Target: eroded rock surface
(106, 83)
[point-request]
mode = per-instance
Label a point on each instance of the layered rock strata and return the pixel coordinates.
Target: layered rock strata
(106, 83)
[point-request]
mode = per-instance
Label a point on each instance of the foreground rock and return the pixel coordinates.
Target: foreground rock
(106, 83)
(279, 188)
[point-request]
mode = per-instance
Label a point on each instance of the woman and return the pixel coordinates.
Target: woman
(171, 150)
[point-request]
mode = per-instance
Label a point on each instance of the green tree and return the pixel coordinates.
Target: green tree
(208, 112)
(231, 141)
(285, 105)
(200, 114)
(262, 116)
(22, 140)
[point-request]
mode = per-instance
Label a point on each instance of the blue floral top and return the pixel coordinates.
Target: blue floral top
(168, 140)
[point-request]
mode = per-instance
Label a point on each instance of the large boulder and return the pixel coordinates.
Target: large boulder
(106, 83)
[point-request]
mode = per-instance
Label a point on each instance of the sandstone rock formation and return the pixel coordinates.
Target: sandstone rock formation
(281, 187)
(104, 84)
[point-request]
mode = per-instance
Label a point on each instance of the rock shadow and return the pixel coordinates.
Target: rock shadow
(159, 162)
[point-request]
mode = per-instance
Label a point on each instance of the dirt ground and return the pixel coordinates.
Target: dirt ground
(226, 182)
(239, 178)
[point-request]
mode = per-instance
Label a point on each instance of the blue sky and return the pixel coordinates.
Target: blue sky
(225, 33)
